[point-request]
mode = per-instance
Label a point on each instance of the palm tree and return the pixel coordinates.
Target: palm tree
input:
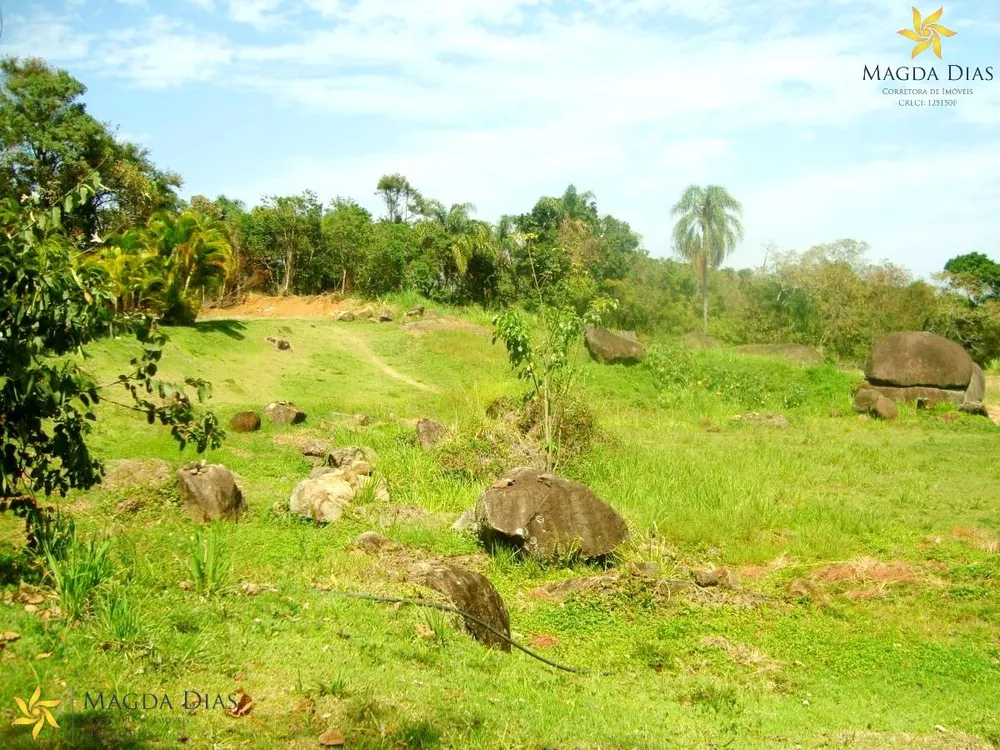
(708, 229)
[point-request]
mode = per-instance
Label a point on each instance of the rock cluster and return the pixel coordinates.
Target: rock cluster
(921, 367)
(330, 489)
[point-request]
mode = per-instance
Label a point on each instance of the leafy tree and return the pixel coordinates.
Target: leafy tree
(975, 275)
(403, 202)
(284, 235)
(190, 257)
(49, 144)
(547, 363)
(708, 229)
(51, 306)
(348, 234)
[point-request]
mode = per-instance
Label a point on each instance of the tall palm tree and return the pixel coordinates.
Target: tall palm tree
(708, 229)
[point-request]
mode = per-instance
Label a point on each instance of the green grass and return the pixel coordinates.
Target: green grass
(818, 647)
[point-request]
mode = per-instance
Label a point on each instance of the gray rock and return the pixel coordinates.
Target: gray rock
(430, 433)
(351, 455)
(925, 397)
(885, 408)
(466, 521)
(414, 313)
(322, 499)
(918, 358)
(609, 348)
(284, 413)
(209, 492)
(314, 448)
(245, 421)
(470, 592)
(976, 391)
(546, 515)
(345, 316)
(372, 541)
(385, 315)
(279, 344)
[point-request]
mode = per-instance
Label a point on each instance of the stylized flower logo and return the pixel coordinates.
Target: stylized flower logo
(36, 712)
(927, 32)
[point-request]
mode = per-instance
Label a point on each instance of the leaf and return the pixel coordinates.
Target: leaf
(38, 691)
(331, 738)
(22, 719)
(942, 30)
(23, 706)
(937, 46)
(9, 636)
(920, 48)
(911, 35)
(45, 655)
(244, 704)
(933, 17)
(916, 20)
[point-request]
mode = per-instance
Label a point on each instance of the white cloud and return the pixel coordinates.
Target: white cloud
(500, 101)
(162, 54)
(917, 209)
(44, 35)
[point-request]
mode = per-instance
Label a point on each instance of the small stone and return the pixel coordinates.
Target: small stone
(372, 541)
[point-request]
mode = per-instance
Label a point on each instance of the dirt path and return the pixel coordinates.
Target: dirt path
(361, 347)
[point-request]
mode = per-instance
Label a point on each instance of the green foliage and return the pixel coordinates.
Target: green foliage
(976, 275)
(78, 575)
(744, 382)
(708, 229)
(548, 363)
(49, 144)
(208, 561)
(53, 305)
(119, 620)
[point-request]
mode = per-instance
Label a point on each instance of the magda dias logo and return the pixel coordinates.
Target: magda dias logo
(35, 712)
(927, 32)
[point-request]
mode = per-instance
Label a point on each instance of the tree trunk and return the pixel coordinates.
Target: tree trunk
(704, 295)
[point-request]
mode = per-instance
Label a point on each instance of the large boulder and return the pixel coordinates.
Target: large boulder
(546, 515)
(976, 391)
(209, 492)
(918, 394)
(472, 593)
(245, 421)
(918, 358)
(609, 348)
(797, 353)
(284, 412)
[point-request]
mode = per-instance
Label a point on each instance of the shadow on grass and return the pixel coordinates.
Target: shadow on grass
(231, 328)
(87, 730)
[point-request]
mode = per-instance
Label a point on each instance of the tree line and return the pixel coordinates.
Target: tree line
(168, 256)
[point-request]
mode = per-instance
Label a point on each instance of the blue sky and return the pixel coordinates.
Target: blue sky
(498, 102)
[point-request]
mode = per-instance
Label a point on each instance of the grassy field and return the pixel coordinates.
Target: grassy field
(867, 612)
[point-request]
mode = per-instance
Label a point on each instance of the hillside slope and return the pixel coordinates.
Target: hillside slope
(866, 612)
